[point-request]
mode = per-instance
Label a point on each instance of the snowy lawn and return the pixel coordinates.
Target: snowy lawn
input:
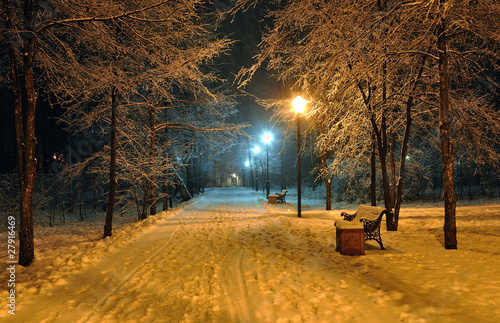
(228, 256)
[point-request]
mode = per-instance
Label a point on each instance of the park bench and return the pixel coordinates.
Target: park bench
(371, 216)
(281, 196)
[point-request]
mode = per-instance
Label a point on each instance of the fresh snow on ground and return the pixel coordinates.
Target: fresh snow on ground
(228, 256)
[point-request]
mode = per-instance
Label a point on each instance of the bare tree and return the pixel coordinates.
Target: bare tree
(20, 22)
(154, 62)
(342, 75)
(386, 62)
(104, 51)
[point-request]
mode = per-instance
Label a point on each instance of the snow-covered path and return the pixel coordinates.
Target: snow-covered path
(230, 257)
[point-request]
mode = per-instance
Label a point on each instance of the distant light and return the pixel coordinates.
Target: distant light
(407, 157)
(256, 149)
(234, 175)
(267, 138)
(247, 163)
(299, 104)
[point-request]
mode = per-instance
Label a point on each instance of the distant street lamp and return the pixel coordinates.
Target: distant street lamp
(267, 138)
(299, 105)
(256, 150)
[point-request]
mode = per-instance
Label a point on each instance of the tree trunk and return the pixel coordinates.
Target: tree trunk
(145, 199)
(373, 171)
(25, 127)
(152, 153)
(170, 196)
(167, 177)
(186, 196)
(284, 168)
(382, 152)
(328, 184)
(328, 180)
(190, 178)
(461, 181)
(112, 168)
(203, 171)
(404, 146)
(447, 153)
(27, 174)
(165, 195)
(381, 137)
(70, 179)
(392, 162)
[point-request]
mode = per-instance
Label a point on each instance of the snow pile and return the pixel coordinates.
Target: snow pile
(231, 257)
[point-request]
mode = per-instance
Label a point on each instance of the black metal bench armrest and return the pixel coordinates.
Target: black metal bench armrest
(281, 196)
(347, 216)
(372, 228)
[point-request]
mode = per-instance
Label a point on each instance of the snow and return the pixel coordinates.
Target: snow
(343, 224)
(228, 256)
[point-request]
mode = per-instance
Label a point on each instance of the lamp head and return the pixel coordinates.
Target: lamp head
(299, 104)
(267, 138)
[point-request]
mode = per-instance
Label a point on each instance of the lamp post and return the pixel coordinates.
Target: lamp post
(256, 150)
(299, 105)
(267, 138)
(246, 178)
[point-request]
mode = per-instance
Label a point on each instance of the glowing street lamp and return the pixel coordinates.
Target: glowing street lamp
(299, 106)
(267, 138)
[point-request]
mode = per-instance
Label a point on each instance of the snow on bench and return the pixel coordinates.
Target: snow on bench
(371, 216)
(281, 196)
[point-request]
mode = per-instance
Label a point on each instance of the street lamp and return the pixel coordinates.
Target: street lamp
(256, 150)
(299, 105)
(267, 138)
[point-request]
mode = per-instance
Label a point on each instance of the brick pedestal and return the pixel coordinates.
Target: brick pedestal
(350, 238)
